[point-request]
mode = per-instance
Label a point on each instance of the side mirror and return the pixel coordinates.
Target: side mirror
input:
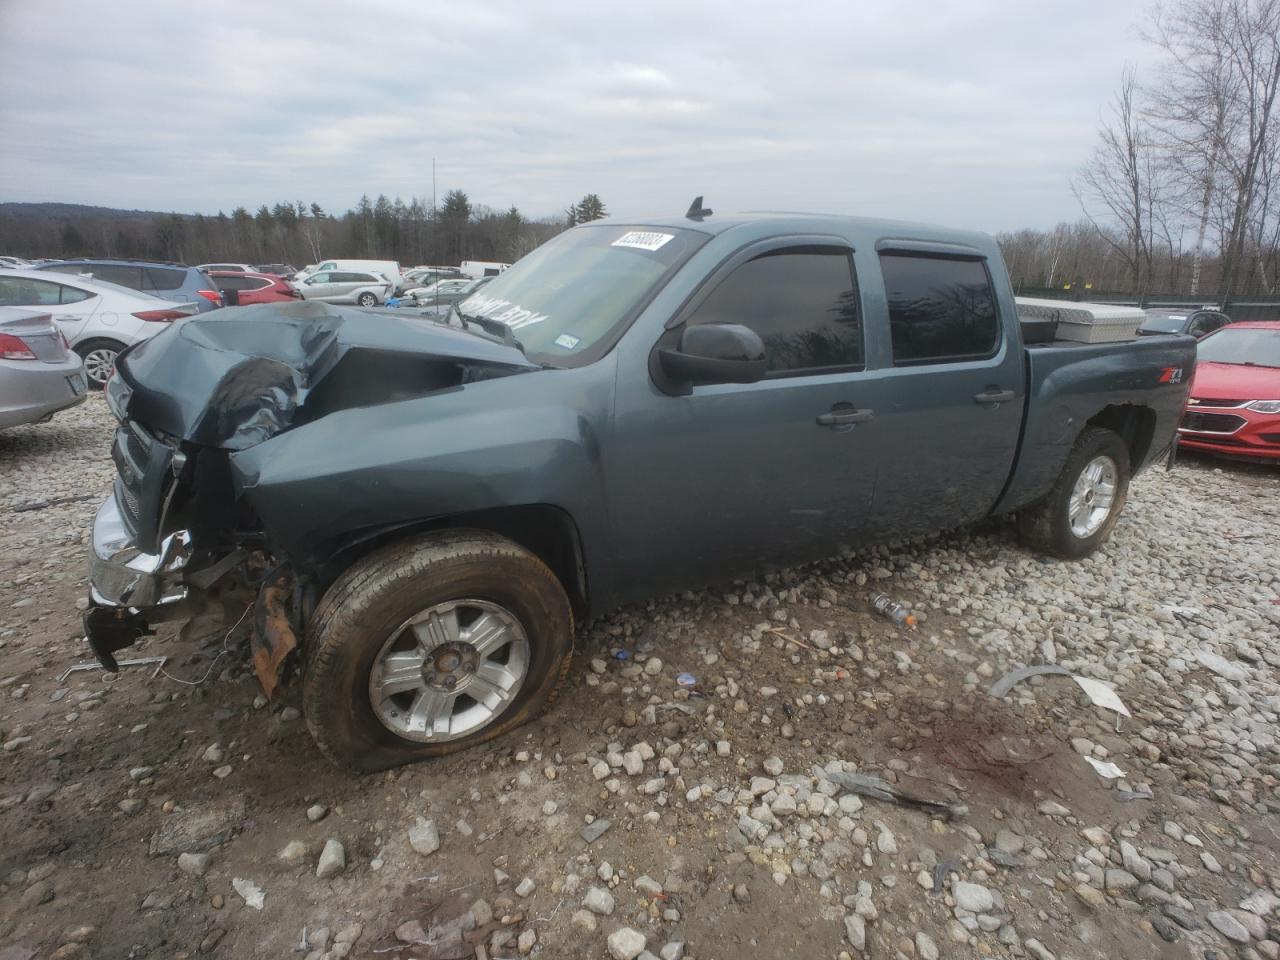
(715, 353)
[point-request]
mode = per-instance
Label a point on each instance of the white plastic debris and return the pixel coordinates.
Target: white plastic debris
(1105, 768)
(1101, 695)
(249, 891)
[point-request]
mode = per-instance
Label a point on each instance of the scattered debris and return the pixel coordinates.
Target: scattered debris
(1014, 677)
(1105, 768)
(879, 789)
(890, 609)
(250, 892)
(95, 665)
(1101, 695)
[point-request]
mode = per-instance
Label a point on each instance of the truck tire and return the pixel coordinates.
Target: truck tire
(431, 645)
(1078, 514)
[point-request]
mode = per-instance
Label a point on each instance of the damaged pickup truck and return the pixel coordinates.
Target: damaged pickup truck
(423, 506)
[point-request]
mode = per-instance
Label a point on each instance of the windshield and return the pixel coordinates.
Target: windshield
(568, 301)
(1255, 347)
(1165, 323)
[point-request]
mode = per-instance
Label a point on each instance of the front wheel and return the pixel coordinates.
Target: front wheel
(99, 358)
(431, 645)
(1079, 513)
(367, 300)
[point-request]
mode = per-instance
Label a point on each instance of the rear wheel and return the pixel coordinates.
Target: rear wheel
(99, 358)
(367, 300)
(1079, 513)
(432, 645)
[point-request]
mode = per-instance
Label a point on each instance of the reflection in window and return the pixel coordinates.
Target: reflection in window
(802, 302)
(939, 309)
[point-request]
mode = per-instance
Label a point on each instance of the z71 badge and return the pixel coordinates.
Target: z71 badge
(1171, 375)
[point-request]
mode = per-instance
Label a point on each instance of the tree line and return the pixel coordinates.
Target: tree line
(1182, 191)
(295, 233)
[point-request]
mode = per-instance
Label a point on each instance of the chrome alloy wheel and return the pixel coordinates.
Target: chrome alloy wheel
(1092, 497)
(449, 670)
(99, 364)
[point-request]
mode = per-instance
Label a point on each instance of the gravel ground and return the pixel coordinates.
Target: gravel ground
(146, 816)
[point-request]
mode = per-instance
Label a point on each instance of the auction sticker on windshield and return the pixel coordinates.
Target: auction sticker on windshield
(640, 240)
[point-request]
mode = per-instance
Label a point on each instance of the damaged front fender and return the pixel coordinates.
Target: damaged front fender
(238, 376)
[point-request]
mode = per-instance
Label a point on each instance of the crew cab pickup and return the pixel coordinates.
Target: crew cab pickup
(423, 505)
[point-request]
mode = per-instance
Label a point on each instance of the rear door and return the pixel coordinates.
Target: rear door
(951, 411)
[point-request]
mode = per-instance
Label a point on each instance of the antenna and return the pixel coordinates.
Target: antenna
(697, 211)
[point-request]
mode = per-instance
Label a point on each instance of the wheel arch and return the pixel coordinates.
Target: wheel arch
(545, 530)
(1134, 424)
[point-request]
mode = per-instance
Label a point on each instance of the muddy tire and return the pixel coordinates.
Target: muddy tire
(432, 645)
(1079, 513)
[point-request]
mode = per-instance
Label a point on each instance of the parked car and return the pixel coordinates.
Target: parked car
(14, 263)
(99, 319)
(241, 289)
(444, 292)
(168, 281)
(346, 286)
(282, 270)
(425, 276)
(629, 410)
(482, 268)
(225, 267)
(1234, 407)
(1195, 323)
(39, 373)
(387, 269)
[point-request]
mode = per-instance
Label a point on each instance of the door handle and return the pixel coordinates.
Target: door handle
(994, 396)
(844, 417)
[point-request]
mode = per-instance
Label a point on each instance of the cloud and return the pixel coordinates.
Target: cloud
(972, 113)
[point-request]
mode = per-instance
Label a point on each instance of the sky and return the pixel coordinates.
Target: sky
(970, 113)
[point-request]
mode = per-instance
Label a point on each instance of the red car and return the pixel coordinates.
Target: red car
(1234, 406)
(251, 287)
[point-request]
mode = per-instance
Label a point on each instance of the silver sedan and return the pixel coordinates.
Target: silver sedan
(39, 374)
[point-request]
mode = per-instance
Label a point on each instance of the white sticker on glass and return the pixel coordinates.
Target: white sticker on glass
(640, 240)
(567, 340)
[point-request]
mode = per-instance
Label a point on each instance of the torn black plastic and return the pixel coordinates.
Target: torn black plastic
(233, 378)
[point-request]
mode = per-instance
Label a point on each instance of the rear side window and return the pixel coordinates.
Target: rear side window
(940, 309)
(255, 283)
(230, 283)
(162, 278)
(801, 301)
(22, 292)
(73, 295)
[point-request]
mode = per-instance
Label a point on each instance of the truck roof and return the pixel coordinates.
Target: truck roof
(771, 222)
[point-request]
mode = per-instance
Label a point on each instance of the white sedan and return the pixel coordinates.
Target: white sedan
(99, 319)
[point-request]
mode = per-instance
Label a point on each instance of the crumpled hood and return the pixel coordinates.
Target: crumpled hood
(237, 376)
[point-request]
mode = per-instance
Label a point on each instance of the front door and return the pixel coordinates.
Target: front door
(735, 478)
(951, 412)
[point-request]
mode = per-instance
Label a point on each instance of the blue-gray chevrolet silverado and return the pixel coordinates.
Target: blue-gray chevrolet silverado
(421, 506)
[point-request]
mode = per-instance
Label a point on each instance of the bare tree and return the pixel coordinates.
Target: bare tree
(1118, 186)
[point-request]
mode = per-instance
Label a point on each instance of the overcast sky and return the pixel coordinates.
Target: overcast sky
(963, 112)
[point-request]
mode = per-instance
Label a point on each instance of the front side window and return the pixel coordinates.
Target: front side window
(21, 292)
(940, 309)
(320, 278)
(803, 303)
(130, 277)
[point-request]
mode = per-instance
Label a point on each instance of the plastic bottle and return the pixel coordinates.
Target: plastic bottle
(890, 609)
